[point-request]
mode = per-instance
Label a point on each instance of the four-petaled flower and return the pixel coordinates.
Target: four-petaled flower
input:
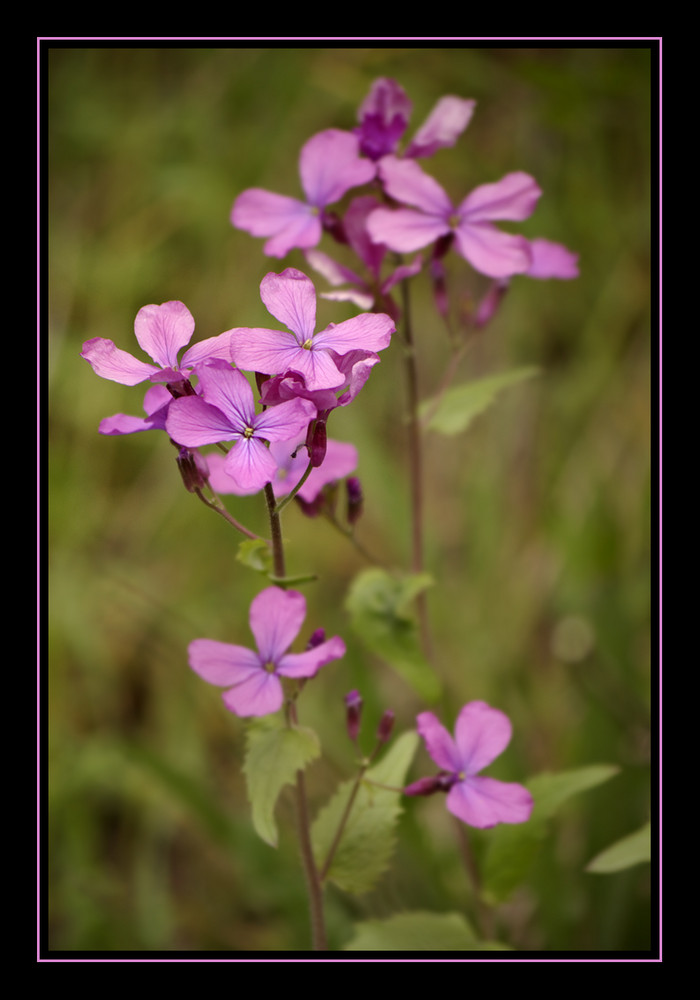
(291, 298)
(481, 734)
(227, 413)
(161, 332)
(487, 248)
(329, 165)
(252, 677)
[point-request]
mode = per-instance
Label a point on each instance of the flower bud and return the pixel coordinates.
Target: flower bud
(386, 724)
(353, 705)
(428, 786)
(316, 638)
(193, 469)
(316, 442)
(355, 499)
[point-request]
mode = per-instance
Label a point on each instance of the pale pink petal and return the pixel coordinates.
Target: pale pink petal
(285, 421)
(192, 422)
(408, 183)
(405, 230)
(162, 330)
(334, 273)
(222, 663)
(330, 164)
(259, 694)
(366, 332)
(443, 126)
(552, 260)
(481, 734)
(484, 802)
(108, 361)
(438, 742)
(513, 197)
(276, 617)
(206, 350)
(250, 465)
(291, 298)
(491, 251)
(122, 423)
(308, 663)
(219, 479)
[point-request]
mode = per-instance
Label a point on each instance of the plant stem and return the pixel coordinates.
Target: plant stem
(217, 505)
(415, 459)
(313, 882)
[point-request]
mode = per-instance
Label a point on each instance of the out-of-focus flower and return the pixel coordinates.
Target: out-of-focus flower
(329, 166)
(252, 677)
(481, 734)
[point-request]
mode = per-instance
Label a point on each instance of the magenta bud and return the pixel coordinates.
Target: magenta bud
(353, 705)
(386, 724)
(428, 786)
(355, 499)
(193, 469)
(491, 302)
(316, 638)
(316, 442)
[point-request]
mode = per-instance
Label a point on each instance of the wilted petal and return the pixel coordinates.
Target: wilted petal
(163, 330)
(276, 617)
(291, 298)
(405, 230)
(484, 802)
(552, 260)
(481, 734)
(491, 251)
(308, 663)
(407, 182)
(330, 164)
(513, 197)
(443, 126)
(222, 663)
(438, 742)
(108, 361)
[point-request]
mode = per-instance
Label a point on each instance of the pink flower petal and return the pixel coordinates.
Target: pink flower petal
(513, 197)
(108, 361)
(276, 617)
(228, 390)
(192, 422)
(443, 126)
(308, 663)
(162, 330)
(408, 183)
(206, 350)
(285, 421)
(405, 230)
(438, 742)
(552, 260)
(491, 251)
(291, 298)
(250, 465)
(484, 802)
(330, 164)
(259, 694)
(289, 222)
(367, 332)
(222, 663)
(272, 352)
(481, 734)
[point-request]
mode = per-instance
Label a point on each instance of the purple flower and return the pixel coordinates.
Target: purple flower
(552, 260)
(481, 734)
(252, 677)
(226, 412)
(291, 298)
(488, 249)
(329, 165)
(161, 332)
(155, 403)
(384, 116)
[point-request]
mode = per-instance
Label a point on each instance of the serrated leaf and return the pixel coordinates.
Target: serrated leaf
(416, 931)
(512, 848)
(274, 754)
(634, 849)
(379, 604)
(368, 838)
(454, 410)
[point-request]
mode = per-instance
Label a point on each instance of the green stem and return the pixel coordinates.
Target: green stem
(290, 496)
(217, 505)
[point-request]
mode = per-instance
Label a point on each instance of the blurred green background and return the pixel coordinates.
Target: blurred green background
(539, 516)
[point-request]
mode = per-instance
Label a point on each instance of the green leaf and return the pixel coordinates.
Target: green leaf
(512, 848)
(274, 754)
(454, 410)
(416, 931)
(631, 850)
(255, 553)
(369, 835)
(379, 604)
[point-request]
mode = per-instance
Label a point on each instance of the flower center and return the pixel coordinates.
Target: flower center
(454, 220)
(270, 667)
(248, 432)
(307, 344)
